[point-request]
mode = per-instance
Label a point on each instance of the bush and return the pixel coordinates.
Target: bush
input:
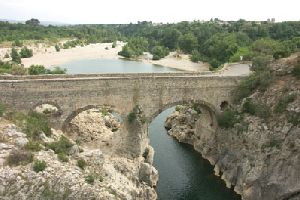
(62, 146)
(258, 80)
(39, 165)
(258, 109)
(90, 179)
(6, 55)
(294, 118)
(17, 43)
(248, 107)
(56, 70)
(131, 117)
(159, 52)
(114, 44)
(15, 57)
(26, 53)
(63, 157)
(57, 48)
(18, 70)
(260, 63)
(36, 69)
(35, 124)
(33, 146)
(283, 103)
(19, 157)
(227, 119)
(195, 56)
(81, 164)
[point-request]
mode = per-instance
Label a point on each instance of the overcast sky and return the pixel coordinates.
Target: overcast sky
(126, 11)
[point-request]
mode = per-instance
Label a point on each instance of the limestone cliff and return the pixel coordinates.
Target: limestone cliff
(79, 165)
(260, 155)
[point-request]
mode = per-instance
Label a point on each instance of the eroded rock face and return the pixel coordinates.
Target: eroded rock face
(106, 175)
(259, 157)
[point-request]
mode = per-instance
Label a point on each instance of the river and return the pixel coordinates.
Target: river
(183, 173)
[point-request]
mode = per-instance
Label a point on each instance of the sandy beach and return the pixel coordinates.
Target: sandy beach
(48, 57)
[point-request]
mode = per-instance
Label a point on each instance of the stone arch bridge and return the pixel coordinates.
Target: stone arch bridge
(152, 92)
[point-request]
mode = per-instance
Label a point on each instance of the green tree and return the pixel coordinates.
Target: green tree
(15, 57)
(188, 42)
(26, 53)
(33, 22)
(159, 52)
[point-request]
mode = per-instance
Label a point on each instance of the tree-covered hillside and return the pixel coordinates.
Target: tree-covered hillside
(214, 41)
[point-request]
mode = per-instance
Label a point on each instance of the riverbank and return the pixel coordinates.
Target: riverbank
(48, 56)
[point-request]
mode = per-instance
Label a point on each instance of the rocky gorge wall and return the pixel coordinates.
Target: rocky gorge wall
(260, 156)
(83, 163)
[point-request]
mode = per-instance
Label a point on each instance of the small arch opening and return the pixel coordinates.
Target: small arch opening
(224, 105)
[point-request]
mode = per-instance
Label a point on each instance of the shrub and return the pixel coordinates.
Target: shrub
(90, 179)
(17, 43)
(131, 117)
(283, 103)
(294, 118)
(6, 55)
(19, 157)
(15, 57)
(62, 146)
(37, 69)
(63, 157)
(227, 119)
(18, 70)
(56, 70)
(35, 124)
(195, 56)
(57, 48)
(260, 63)
(81, 164)
(159, 52)
(258, 109)
(114, 44)
(26, 53)
(39, 165)
(248, 107)
(258, 80)
(33, 146)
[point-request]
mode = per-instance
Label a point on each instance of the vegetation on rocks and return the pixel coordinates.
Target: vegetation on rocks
(19, 157)
(39, 165)
(63, 146)
(81, 163)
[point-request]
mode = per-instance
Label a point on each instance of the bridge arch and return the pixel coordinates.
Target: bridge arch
(74, 113)
(211, 110)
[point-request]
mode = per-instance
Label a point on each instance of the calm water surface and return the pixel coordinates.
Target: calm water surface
(89, 66)
(183, 173)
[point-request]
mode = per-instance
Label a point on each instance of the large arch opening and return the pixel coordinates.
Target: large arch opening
(93, 126)
(183, 173)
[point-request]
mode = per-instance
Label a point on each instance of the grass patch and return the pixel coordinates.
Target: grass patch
(90, 179)
(19, 157)
(294, 118)
(39, 165)
(33, 146)
(63, 146)
(81, 164)
(283, 103)
(63, 157)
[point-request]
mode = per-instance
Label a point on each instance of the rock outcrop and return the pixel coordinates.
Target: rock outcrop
(260, 155)
(102, 174)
